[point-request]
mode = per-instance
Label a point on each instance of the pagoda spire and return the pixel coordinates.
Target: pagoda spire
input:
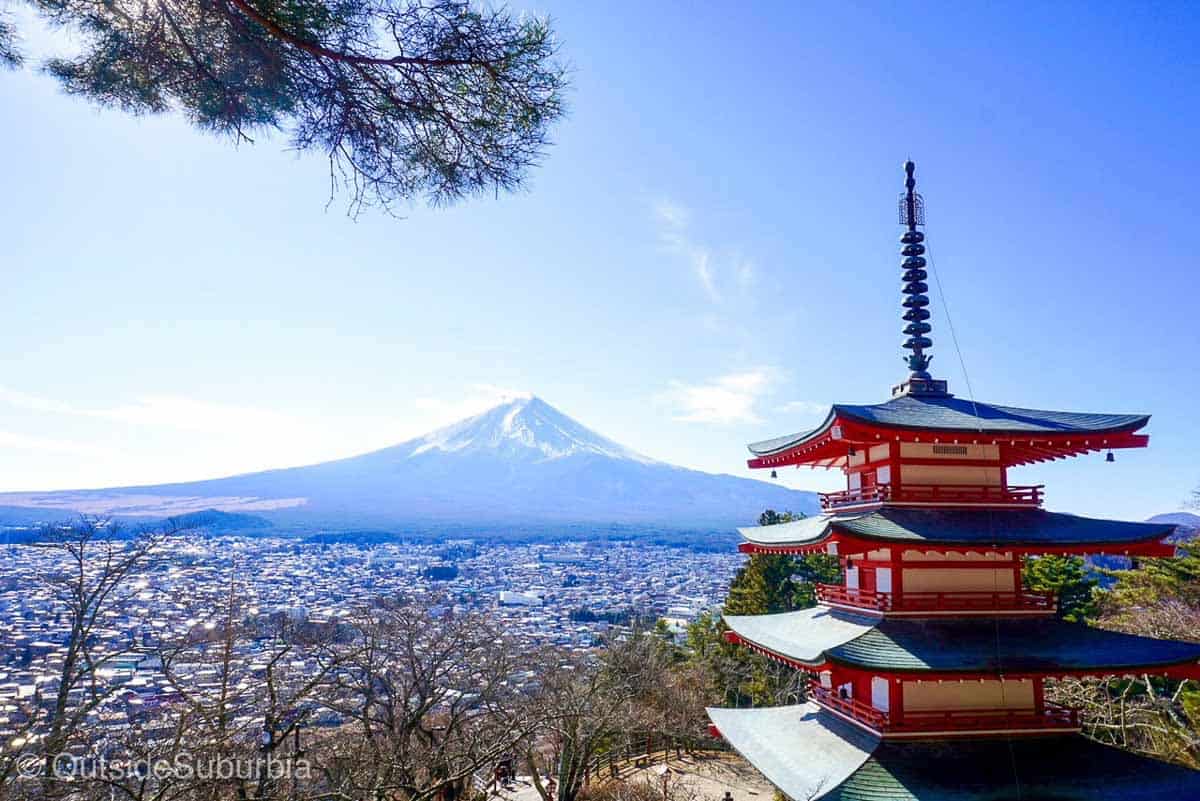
(912, 214)
(916, 301)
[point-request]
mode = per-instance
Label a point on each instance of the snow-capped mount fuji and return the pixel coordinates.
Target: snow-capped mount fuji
(523, 428)
(520, 463)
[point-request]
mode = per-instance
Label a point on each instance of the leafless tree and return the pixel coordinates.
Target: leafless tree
(1142, 713)
(593, 703)
(433, 699)
(90, 581)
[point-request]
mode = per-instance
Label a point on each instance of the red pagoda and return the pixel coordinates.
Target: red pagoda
(928, 663)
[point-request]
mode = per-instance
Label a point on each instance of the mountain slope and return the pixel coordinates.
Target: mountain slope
(1189, 525)
(521, 462)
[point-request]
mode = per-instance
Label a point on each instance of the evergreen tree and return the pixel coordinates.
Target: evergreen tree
(766, 584)
(406, 98)
(1067, 577)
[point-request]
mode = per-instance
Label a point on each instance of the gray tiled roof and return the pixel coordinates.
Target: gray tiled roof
(809, 754)
(1006, 644)
(985, 526)
(804, 635)
(961, 527)
(1056, 768)
(960, 414)
(989, 645)
(800, 749)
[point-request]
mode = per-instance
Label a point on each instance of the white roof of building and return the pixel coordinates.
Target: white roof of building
(796, 532)
(803, 752)
(804, 635)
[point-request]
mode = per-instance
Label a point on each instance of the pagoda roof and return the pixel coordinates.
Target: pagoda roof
(809, 754)
(800, 749)
(1008, 645)
(950, 414)
(804, 635)
(971, 646)
(1032, 528)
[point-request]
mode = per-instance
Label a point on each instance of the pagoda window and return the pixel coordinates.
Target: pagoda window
(854, 481)
(883, 579)
(949, 452)
(879, 453)
(852, 577)
(884, 474)
(880, 694)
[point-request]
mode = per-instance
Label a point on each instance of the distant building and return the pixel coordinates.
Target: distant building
(510, 598)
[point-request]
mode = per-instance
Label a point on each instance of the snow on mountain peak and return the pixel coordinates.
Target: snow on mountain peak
(524, 427)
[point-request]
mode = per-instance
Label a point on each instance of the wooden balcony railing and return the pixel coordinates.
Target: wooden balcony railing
(981, 495)
(1021, 601)
(855, 497)
(851, 707)
(849, 596)
(1053, 717)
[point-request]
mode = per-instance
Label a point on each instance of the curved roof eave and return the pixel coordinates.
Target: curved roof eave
(805, 531)
(960, 527)
(1048, 421)
(800, 750)
(958, 415)
(1010, 645)
(803, 635)
(778, 444)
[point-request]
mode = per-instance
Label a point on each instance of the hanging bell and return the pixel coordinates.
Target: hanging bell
(776, 475)
(1110, 457)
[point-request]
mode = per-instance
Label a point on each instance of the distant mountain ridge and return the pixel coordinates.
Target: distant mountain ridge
(1187, 522)
(522, 462)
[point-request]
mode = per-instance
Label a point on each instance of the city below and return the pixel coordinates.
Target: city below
(566, 595)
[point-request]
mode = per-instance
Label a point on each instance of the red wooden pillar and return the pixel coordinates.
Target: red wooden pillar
(1039, 695)
(896, 701)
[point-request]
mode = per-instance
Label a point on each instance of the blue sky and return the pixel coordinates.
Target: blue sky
(709, 255)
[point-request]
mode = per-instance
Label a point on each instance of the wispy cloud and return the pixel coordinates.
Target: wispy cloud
(474, 399)
(743, 272)
(730, 398)
(22, 442)
(804, 407)
(160, 438)
(709, 270)
(165, 411)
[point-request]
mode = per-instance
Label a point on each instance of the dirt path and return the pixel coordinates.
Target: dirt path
(708, 778)
(705, 778)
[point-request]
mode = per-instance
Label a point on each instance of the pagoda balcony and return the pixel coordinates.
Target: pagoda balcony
(941, 722)
(935, 602)
(863, 714)
(1029, 497)
(1052, 718)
